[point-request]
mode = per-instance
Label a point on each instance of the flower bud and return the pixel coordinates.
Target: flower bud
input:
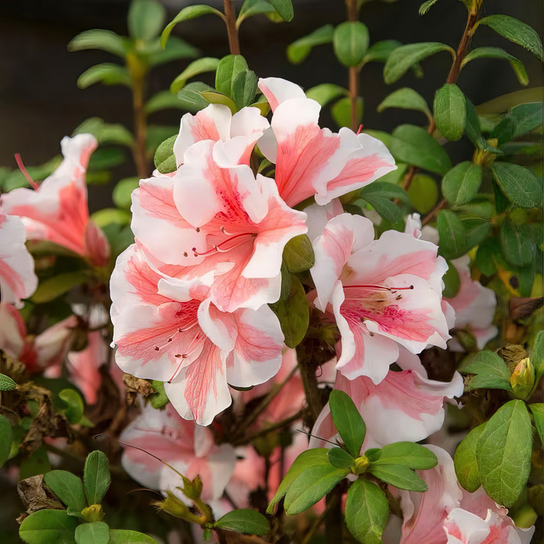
(360, 465)
(192, 489)
(523, 378)
(93, 513)
(173, 506)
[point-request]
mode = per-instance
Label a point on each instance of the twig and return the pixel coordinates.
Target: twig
(429, 217)
(230, 20)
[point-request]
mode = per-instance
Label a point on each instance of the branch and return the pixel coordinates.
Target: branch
(230, 21)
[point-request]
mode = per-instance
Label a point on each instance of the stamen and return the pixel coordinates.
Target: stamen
(220, 248)
(192, 347)
(169, 340)
(23, 170)
(360, 128)
(375, 286)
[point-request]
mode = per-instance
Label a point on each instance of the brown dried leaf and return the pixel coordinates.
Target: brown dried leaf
(524, 307)
(36, 495)
(137, 385)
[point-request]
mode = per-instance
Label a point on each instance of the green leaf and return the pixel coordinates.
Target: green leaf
(498, 53)
(190, 12)
(414, 145)
(504, 453)
(407, 454)
(164, 159)
(92, 533)
(517, 247)
(72, 405)
(490, 370)
(348, 421)
(450, 111)
(515, 31)
(284, 8)
(423, 193)
(214, 97)
(109, 216)
(37, 463)
(48, 526)
(398, 476)
(56, 286)
(145, 19)
(518, 121)
(472, 125)
(380, 51)
(385, 208)
(253, 7)
(324, 93)
(122, 192)
(6, 383)
(106, 133)
(6, 439)
(244, 521)
(426, 6)
(452, 234)
(99, 39)
(341, 111)
(298, 254)
(175, 49)
(166, 100)
(367, 511)
(244, 87)
(106, 73)
(302, 47)
(406, 99)
(404, 57)
(350, 42)
(159, 399)
(466, 465)
(307, 459)
(520, 185)
(190, 97)
(538, 355)
(340, 458)
(227, 69)
(119, 536)
(460, 185)
(96, 476)
(538, 418)
(68, 487)
(385, 189)
(293, 314)
(311, 486)
(452, 282)
(199, 66)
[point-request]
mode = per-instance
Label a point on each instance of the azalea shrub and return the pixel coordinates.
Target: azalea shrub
(279, 332)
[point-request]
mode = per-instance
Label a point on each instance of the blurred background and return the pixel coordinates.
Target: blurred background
(40, 101)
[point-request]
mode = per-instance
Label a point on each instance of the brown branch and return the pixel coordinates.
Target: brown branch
(230, 21)
(429, 217)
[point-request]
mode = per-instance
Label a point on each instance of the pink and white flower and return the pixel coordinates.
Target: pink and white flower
(314, 161)
(217, 219)
(17, 277)
(168, 329)
(404, 406)
(383, 294)
(57, 210)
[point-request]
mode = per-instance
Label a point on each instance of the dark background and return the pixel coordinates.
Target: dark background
(40, 102)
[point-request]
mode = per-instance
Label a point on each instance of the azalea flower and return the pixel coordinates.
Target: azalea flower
(56, 210)
(17, 277)
(168, 329)
(382, 293)
(404, 406)
(224, 220)
(311, 160)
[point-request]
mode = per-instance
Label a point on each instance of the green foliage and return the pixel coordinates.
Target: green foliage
(325, 93)
(159, 399)
(348, 421)
(99, 39)
(450, 111)
(497, 53)
(538, 419)
(244, 521)
(6, 383)
(190, 98)
(106, 73)
(340, 458)
(341, 111)
(426, 6)
(423, 193)
(47, 526)
(6, 439)
(520, 185)
(407, 99)
(302, 47)
(118, 536)
(92, 533)
(72, 405)
(145, 19)
(516, 244)
(398, 476)
(490, 372)
(68, 488)
(379, 194)
(122, 192)
(504, 453)
(197, 67)
(298, 254)
(466, 465)
(284, 8)
(350, 42)
(452, 234)
(461, 184)
(452, 282)
(518, 121)
(96, 477)
(164, 159)
(407, 454)
(59, 285)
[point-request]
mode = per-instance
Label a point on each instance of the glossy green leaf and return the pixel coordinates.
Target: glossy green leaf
(199, 66)
(165, 100)
(284, 8)
(227, 69)
(244, 521)
(385, 189)
(515, 31)
(398, 476)
(159, 399)
(92, 533)
(6, 383)
(57, 286)
(302, 47)
(408, 454)
(461, 184)
(109, 216)
(106, 73)
(72, 405)
(340, 458)
(452, 234)
(348, 421)
(367, 511)
(145, 19)
(538, 355)
(518, 121)
(452, 282)
(164, 159)
(99, 39)
(404, 57)
(466, 465)
(384, 207)
(504, 453)
(298, 254)
(498, 53)
(244, 87)
(214, 97)
(119, 536)
(106, 133)
(96, 476)
(6, 439)
(426, 6)
(175, 49)
(380, 51)
(520, 185)
(350, 42)
(307, 459)
(517, 247)
(190, 97)
(325, 92)
(472, 125)
(414, 145)
(406, 99)
(253, 7)
(47, 527)
(538, 417)
(311, 486)
(450, 111)
(293, 314)
(490, 372)
(68, 487)
(37, 463)
(341, 111)
(122, 192)
(423, 193)
(190, 12)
